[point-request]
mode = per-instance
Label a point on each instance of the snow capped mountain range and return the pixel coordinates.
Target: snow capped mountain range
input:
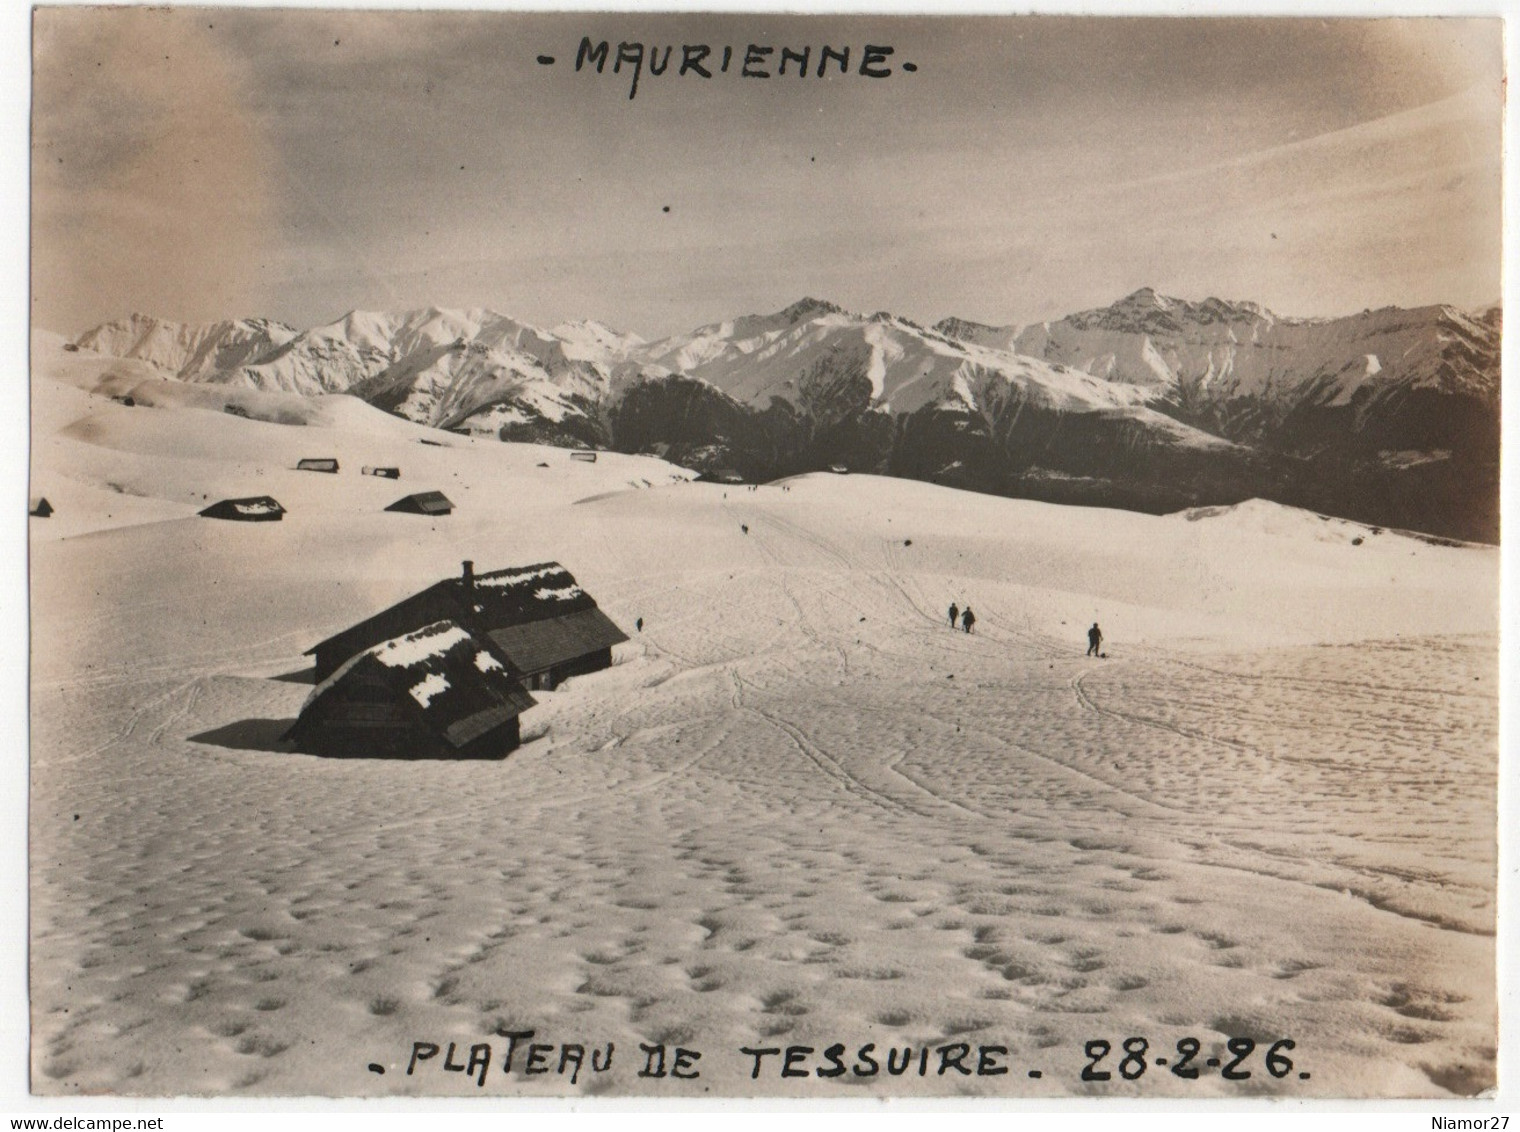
(1227, 354)
(1151, 401)
(440, 367)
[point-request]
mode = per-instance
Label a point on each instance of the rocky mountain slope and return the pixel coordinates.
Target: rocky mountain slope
(1240, 371)
(1153, 403)
(1391, 415)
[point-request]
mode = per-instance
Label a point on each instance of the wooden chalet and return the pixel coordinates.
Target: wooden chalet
(317, 464)
(537, 616)
(253, 509)
(436, 693)
(423, 503)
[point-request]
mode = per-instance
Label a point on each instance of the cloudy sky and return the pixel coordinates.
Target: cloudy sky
(205, 163)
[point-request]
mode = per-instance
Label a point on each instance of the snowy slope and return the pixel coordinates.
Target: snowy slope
(440, 365)
(475, 368)
(1155, 403)
(191, 353)
(786, 355)
(798, 810)
(1219, 353)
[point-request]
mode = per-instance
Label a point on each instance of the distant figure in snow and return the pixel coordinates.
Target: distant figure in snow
(1094, 640)
(954, 614)
(639, 624)
(968, 619)
(744, 527)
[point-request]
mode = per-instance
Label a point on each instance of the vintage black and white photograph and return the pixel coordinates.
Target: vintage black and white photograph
(677, 555)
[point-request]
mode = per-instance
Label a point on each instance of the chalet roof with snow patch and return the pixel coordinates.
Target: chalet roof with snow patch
(502, 604)
(251, 509)
(523, 593)
(424, 503)
(449, 680)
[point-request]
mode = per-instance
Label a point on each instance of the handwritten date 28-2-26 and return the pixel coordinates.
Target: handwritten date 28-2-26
(1134, 1059)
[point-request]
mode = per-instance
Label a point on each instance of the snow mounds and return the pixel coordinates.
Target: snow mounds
(799, 809)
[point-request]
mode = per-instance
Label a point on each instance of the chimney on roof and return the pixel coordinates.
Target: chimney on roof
(469, 574)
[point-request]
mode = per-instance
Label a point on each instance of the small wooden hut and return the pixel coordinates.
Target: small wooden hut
(423, 503)
(439, 692)
(253, 509)
(383, 473)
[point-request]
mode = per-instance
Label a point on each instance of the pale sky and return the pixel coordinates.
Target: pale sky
(202, 163)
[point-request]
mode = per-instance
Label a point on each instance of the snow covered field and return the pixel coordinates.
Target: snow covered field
(798, 811)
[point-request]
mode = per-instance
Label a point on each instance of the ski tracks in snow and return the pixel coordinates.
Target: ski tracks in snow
(803, 806)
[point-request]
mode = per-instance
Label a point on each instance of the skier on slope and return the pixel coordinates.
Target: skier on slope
(955, 614)
(968, 619)
(1094, 640)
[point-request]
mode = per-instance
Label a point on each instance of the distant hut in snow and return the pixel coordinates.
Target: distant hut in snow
(40, 507)
(423, 503)
(584, 454)
(317, 464)
(438, 692)
(839, 469)
(724, 475)
(254, 509)
(383, 473)
(537, 616)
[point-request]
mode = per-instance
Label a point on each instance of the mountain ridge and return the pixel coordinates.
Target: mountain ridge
(1150, 401)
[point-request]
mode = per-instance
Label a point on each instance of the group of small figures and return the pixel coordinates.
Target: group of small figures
(965, 619)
